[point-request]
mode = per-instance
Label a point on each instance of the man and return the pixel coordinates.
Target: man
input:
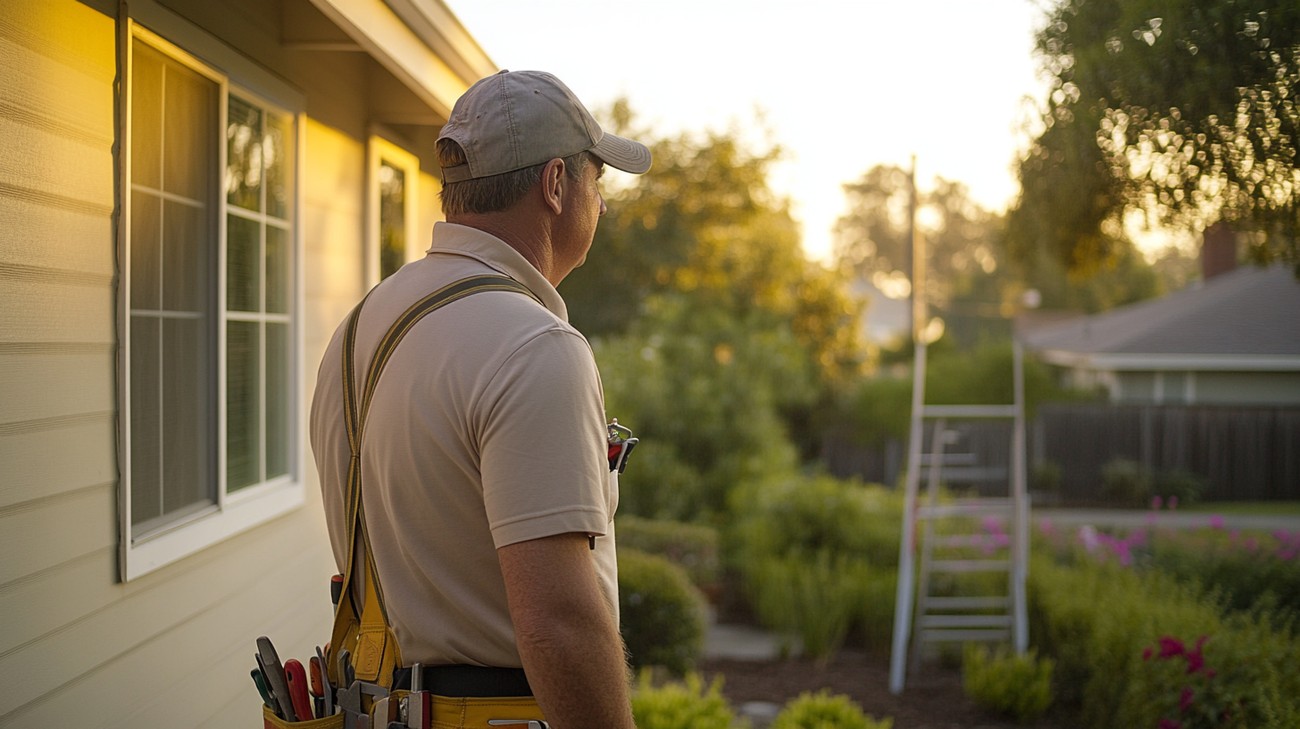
(487, 492)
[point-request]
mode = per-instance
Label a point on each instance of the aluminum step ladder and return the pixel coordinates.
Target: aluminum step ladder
(999, 617)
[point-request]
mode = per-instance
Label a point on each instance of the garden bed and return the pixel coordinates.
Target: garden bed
(931, 700)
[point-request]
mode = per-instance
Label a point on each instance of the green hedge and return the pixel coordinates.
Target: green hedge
(680, 705)
(812, 551)
(693, 547)
(662, 613)
(1142, 648)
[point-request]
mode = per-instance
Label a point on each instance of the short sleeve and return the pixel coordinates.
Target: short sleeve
(543, 443)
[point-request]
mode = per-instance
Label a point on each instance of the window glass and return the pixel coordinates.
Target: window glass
(171, 290)
(209, 285)
(244, 162)
(243, 264)
(392, 218)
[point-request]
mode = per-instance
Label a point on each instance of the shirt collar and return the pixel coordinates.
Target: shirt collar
(462, 240)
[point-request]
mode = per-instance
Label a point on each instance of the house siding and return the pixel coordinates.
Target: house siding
(172, 648)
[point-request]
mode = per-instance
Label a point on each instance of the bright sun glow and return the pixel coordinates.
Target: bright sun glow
(841, 86)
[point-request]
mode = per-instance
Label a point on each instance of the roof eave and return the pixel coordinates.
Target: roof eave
(420, 42)
(1128, 362)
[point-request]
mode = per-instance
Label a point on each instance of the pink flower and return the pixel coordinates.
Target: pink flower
(1156, 503)
(1216, 522)
(1173, 503)
(1196, 657)
(1186, 698)
(1170, 647)
(1169, 724)
(1146, 653)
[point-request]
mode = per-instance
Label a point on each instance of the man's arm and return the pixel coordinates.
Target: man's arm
(567, 638)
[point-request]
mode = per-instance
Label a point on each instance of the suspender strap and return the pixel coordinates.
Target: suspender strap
(364, 630)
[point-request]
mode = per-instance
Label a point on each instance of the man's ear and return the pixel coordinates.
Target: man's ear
(553, 181)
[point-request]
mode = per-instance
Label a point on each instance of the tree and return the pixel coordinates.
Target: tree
(965, 270)
(1182, 109)
(716, 338)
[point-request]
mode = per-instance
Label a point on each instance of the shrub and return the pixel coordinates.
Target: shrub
(663, 616)
(1103, 650)
(677, 705)
(1186, 486)
(1019, 686)
(814, 599)
(693, 547)
(1125, 482)
(824, 711)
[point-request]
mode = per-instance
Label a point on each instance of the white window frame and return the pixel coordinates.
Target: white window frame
(259, 503)
(379, 150)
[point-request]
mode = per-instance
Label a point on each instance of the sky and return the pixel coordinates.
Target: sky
(839, 85)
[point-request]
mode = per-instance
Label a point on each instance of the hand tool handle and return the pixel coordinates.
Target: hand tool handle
(275, 677)
(296, 676)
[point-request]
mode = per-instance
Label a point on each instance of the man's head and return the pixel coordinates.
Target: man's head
(506, 127)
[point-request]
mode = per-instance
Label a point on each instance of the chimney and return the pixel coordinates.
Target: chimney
(1218, 251)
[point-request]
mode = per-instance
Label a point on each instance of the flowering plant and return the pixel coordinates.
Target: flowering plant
(1197, 699)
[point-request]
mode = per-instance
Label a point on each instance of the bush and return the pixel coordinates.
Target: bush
(815, 599)
(1105, 650)
(1016, 686)
(693, 547)
(680, 705)
(663, 616)
(824, 711)
(1125, 482)
(1186, 486)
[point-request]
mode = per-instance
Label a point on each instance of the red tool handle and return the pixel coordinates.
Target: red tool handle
(296, 676)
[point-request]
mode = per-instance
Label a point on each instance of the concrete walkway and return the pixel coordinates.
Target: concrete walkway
(1135, 519)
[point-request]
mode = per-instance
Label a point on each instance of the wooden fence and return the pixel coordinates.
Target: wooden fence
(1241, 453)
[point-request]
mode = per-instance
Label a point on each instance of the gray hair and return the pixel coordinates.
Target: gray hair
(496, 192)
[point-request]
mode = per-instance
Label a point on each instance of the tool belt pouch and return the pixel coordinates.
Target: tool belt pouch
(271, 721)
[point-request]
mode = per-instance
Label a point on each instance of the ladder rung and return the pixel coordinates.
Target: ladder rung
(936, 635)
(969, 411)
(966, 603)
(947, 459)
(966, 540)
(968, 474)
(968, 507)
(927, 622)
(970, 565)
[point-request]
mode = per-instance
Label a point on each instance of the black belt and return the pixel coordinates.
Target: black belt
(468, 681)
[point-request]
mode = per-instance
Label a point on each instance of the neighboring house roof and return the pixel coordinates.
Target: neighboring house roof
(1247, 319)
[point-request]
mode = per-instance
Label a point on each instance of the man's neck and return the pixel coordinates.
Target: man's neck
(533, 245)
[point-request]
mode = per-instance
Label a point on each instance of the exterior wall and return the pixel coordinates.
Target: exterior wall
(172, 648)
(1256, 388)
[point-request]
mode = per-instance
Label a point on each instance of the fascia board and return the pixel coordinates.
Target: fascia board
(399, 49)
(1130, 362)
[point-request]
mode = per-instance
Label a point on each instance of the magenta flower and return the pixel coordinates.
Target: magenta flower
(1169, 724)
(1216, 522)
(1171, 646)
(1186, 698)
(1156, 503)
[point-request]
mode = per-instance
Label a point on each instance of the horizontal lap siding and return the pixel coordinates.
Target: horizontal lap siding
(80, 648)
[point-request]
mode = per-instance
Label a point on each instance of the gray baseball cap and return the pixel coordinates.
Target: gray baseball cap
(517, 119)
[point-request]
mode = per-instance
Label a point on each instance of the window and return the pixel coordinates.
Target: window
(393, 237)
(209, 337)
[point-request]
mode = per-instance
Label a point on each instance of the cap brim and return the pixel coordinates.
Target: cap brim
(623, 154)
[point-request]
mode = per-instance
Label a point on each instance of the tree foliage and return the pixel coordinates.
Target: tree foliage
(1183, 109)
(716, 337)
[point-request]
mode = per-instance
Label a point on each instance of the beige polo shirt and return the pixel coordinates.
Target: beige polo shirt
(487, 428)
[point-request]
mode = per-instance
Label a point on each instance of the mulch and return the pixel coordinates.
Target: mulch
(931, 699)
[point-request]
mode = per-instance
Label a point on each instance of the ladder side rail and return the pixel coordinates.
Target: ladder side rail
(903, 597)
(1020, 526)
(937, 443)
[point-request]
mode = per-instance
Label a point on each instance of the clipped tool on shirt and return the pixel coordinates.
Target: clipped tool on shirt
(621, 444)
